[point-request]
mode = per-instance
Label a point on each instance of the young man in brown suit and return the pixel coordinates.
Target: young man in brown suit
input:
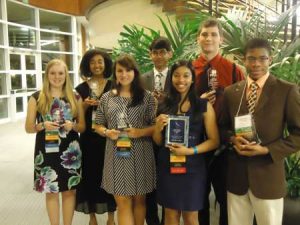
(256, 178)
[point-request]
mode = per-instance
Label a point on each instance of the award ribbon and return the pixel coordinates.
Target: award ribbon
(52, 141)
(177, 164)
(123, 145)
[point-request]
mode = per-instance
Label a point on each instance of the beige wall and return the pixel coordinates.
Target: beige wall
(105, 21)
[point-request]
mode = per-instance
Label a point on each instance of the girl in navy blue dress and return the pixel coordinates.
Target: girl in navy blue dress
(181, 191)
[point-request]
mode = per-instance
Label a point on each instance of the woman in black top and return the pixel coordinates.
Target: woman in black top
(95, 68)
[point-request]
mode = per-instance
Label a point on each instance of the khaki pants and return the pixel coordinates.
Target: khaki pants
(241, 210)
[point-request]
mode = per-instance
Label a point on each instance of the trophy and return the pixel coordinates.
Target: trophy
(123, 142)
(58, 116)
(94, 90)
(121, 122)
(212, 79)
(93, 96)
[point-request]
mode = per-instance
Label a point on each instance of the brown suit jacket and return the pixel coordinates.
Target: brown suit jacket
(277, 107)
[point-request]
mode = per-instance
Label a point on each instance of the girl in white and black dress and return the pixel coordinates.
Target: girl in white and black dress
(129, 178)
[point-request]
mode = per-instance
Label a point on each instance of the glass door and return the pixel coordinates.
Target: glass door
(23, 81)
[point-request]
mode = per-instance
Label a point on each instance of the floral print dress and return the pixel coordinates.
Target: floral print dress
(60, 170)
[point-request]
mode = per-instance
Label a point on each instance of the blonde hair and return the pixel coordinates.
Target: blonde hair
(45, 99)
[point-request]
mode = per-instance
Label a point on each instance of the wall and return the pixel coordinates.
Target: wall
(105, 21)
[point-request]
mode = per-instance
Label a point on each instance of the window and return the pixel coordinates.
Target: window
(3, 90)
(2, 66)
(18, 13)
(46, 57)
(16, 81)
(1, 33)
(30, 62)
(54, 21)
(3, 108)
(29, 38)
(0, 10)
(15, 62)
(72, 79)
(31, 81)
(19, 104)
(56, 42)
(21, 37)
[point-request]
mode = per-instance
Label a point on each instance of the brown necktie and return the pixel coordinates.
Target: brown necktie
(252, 98)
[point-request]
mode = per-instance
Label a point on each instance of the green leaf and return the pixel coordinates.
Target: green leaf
(39, 159)
(73, 181)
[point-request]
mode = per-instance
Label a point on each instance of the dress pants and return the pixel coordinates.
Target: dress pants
(151, 202)
(241, 210)
(151, 209)
(216, 177)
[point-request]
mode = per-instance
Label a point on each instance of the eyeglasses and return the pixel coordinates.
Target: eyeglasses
(161, 52)
(261, 59)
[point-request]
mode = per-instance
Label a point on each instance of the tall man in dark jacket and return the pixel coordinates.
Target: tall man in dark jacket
(157, 81)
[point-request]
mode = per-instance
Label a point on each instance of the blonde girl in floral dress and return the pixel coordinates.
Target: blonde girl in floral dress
(55, 113)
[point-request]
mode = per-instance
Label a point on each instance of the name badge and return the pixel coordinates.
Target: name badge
(244, 126)
(52, 141)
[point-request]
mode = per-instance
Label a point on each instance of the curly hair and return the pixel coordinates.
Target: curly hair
(85, 71)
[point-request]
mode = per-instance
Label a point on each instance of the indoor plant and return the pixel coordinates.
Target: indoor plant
(292, 200)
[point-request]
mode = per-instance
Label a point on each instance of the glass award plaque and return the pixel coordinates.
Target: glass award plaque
(177, 130)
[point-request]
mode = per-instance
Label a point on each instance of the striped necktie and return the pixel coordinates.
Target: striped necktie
(252, 98)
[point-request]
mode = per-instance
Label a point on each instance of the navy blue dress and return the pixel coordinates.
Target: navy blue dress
(184, 191)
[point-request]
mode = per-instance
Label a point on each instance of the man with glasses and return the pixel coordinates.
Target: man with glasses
(160, 52)
(157, 81)
(213, 74)
(256, 112)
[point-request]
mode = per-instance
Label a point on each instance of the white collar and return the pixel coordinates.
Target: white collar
(164, 72)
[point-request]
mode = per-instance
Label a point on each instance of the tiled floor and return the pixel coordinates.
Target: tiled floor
(19, 204)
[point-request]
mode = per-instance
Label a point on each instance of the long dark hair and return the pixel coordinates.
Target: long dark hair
(170, 103)
(136, 87)
(85, 71)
